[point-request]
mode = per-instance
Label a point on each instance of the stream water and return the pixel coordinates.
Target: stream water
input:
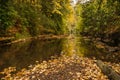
(23, 54)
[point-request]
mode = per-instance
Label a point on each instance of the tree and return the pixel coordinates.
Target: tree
(34, 17)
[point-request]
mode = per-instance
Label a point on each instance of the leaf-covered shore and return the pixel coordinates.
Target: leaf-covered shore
(63, 68)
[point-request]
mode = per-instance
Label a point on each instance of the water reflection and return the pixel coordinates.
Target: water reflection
(87, 48)
(69, 45)
(21, 55)
(78, 46)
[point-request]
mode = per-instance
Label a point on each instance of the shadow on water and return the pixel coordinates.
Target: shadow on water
(98, 50)
(21, 55)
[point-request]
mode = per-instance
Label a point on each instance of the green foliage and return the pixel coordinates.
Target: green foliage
(7, 17)
(78, 10)
(35, 17)
(100, 16)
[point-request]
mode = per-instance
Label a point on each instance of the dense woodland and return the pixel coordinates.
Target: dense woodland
(21, 18)
(95, 18)
(99, 19)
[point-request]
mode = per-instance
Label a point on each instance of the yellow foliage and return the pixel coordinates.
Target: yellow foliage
(57, 11)
(57, 8)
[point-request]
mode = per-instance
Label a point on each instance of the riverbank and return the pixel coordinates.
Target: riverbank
(110, 53)
(63, 68)
(11, 40)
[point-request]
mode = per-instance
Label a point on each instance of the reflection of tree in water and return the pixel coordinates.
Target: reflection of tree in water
(21, 55)
(69, 45)
(87, 48)
(98, 51)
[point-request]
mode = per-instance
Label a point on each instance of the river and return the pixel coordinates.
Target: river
(23, 54)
